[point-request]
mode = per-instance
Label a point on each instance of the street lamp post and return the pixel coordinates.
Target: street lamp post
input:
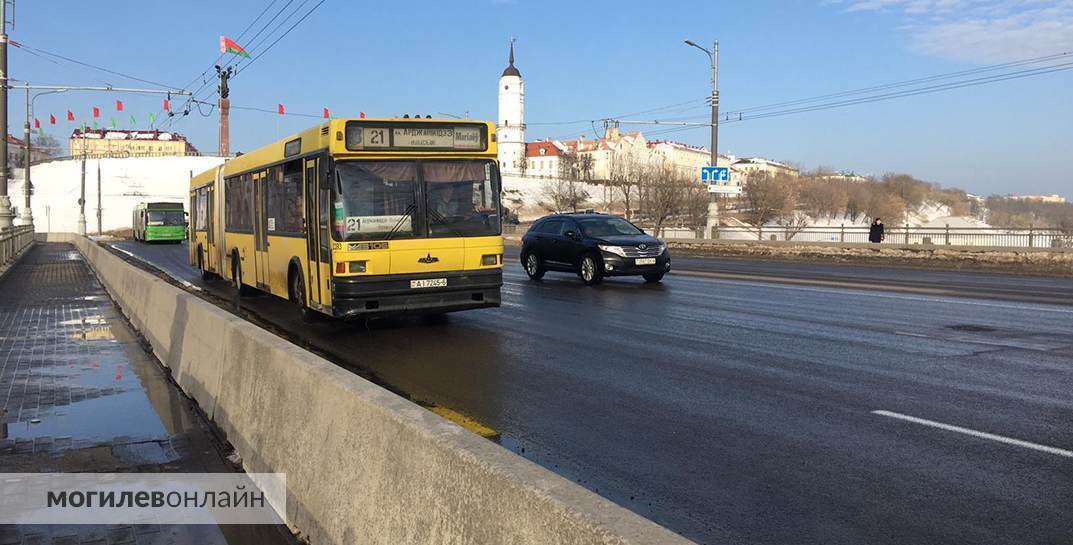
(713, 203)
(26, 216)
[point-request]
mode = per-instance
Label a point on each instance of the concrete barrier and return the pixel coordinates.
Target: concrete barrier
(363, 465)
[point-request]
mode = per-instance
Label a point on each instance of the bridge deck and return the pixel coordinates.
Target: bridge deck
(79, 394)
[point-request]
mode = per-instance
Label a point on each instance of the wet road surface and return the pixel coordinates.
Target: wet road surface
(752, 412)
(78, 393)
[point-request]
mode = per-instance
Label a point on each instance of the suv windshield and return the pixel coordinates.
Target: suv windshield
(610, 226)
(415, 199)
(167, 217)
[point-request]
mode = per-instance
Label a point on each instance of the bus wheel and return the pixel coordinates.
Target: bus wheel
(298, 295)
(206, 275)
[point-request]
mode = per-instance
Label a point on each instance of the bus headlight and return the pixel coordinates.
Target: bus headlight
(617, 250)
(357, 266)
(488, 260)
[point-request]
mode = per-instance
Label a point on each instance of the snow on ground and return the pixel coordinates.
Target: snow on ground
(124, 184)
(530, 191)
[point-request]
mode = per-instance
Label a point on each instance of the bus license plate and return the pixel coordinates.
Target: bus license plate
(429, 283)
(646, 261)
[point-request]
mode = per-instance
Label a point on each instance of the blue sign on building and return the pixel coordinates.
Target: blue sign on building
(714, 174)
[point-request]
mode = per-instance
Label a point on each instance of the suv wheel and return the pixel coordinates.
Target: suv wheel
(533, 267)
(590, 270)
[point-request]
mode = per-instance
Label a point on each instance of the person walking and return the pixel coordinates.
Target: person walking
(875, 232)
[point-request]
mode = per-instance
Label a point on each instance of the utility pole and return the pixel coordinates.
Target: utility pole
(82, 197)
(713, 202)
(26, 216)
(225, 109)
(98, 197)
(6, 216)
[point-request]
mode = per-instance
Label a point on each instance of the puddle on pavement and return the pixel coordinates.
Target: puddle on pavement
(100, 387)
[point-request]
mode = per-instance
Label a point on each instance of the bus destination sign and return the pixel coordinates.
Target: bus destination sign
(414, 136)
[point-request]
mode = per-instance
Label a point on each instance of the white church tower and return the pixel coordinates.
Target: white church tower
(511, 127)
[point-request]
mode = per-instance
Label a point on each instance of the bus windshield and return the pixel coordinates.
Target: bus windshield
(166, 217)
(415, 199)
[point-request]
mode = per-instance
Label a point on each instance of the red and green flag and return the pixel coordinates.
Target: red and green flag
(227, 45)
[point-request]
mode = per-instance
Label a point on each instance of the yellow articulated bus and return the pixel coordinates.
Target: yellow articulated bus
(358, 218)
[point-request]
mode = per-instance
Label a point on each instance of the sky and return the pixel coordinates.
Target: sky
(592, 60)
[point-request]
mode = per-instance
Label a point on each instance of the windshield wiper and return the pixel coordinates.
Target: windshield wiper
(405, 214)
(433, 214)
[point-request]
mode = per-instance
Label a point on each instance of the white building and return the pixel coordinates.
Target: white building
(759, 164)
(511, 127)
(542, 159)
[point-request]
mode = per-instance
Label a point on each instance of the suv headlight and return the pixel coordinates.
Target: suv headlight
(617, 250)
(661, 247)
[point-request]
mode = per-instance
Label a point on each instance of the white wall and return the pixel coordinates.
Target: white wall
(124, 183)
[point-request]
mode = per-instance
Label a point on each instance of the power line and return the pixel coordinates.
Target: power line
(267, 49)
(206, 82)
(905, 83)
(919, 91)
(36, 50)
(242, 68)
(896, 94)
(889, 96)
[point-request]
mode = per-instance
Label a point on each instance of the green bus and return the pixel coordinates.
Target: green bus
(159, 221)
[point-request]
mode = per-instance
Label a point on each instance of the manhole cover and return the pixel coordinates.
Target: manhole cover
(971, 327)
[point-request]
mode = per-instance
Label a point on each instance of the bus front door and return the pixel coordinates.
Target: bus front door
(260, 231)
(317, 275)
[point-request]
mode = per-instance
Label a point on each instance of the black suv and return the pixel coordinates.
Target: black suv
(593, 246)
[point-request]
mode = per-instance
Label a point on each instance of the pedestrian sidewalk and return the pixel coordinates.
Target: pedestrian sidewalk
(78, 393)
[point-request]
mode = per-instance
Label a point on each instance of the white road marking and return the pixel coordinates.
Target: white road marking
(126, 252)
(863, 291)
(906, 333)
(974, 433)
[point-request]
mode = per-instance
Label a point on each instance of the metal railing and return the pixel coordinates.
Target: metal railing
(1031, 237)
(13, 240)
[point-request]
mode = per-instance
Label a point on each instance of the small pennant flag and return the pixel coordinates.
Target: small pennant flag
(279, 109)
(152, 119)
(37, 123)
(167, 105)
(70, 116)
(113, 124)
(41, 133)
(96, 113)
(361, 115)
(94, 125)
(227, 45)
(325, 113)
(51, 119)
(119, 105)
(133, 121)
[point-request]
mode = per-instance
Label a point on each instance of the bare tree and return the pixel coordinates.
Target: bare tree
(559, 195)
(766, 197)
(522, 164)
(696, 204)
(663, 193)
(622, 177)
